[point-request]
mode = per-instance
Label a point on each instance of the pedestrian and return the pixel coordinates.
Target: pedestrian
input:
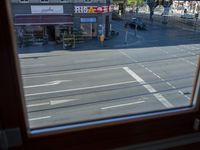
(185, 11)
(101, 38)
(137, 9)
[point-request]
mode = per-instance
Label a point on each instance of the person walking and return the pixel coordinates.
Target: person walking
(101, 38)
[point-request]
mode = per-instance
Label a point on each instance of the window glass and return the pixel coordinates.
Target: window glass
(44, 1)
(84, 62)
(64, 1)
(24, 1)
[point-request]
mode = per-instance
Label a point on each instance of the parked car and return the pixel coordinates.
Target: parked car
(115, 16)
(137, 21)
(187, 16)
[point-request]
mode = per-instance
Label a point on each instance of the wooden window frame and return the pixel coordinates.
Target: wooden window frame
(100, 136)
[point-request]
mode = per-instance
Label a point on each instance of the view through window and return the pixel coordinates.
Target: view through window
(83, 62)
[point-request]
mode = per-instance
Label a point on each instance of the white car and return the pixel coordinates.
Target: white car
(187, 16)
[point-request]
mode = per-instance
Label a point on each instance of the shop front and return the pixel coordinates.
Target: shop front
(89, 26)
(46, 23)
(42, 28)
(93, 21)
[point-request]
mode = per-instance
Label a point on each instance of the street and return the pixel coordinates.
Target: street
(153, 71)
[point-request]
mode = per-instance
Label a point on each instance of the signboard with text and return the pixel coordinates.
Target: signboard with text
(88, 20)
(47, 9)
(92, 9)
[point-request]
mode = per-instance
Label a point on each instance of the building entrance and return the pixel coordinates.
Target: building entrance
(50, 30)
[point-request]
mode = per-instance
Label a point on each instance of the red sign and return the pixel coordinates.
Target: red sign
(92, 9)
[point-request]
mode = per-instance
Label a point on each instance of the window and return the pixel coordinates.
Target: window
(113, 132)
(84, 86)
(44, 1)
(87, 1)
(24, 1)
(64, 1)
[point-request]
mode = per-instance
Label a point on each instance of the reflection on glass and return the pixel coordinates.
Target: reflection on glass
(83, 61)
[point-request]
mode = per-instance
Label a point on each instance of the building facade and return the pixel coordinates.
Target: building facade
(51, 18)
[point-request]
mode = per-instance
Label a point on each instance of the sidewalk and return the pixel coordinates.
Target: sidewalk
(117, 41)
(173, 21)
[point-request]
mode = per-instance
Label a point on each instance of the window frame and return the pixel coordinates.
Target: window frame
(100, 136)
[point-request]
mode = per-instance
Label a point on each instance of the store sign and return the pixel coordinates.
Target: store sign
(92, 9)
(88, 20)
(47, 9)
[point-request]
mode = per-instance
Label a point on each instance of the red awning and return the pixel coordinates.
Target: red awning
(43, 20)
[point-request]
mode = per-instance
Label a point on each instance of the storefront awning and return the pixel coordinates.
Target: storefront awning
(43, 20)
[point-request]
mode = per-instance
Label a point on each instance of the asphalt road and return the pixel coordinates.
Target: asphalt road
(156, 73)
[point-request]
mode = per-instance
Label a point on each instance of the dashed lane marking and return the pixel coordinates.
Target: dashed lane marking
(69, 73)
(78, 89)
(39, 118)
(125, 54)
(57, 82)
(159, 97)
(121, 105)
(53, 102)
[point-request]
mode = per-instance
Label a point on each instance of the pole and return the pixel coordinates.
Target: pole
(126, 37)
(74, 41)
(136, 30)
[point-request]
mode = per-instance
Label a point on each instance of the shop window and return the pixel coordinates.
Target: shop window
(64, 1)
(24, 1)
(87, 1)
(44, 1)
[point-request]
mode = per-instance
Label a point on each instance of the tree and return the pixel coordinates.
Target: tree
(135, 2)
(121, 4)
(154, 3)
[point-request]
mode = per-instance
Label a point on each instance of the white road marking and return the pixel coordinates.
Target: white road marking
(56, 102)
(148, 69)
(40, 118)
(35, 65)
(152, 72)
(69, 73)
(150, 88)
(123, 53)
(160, 98)
(171, 85)
(184, 95)
(53, 102)
(121, 105)
(48, 84)
(39, 104)
(163, 100)
(84, 88)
